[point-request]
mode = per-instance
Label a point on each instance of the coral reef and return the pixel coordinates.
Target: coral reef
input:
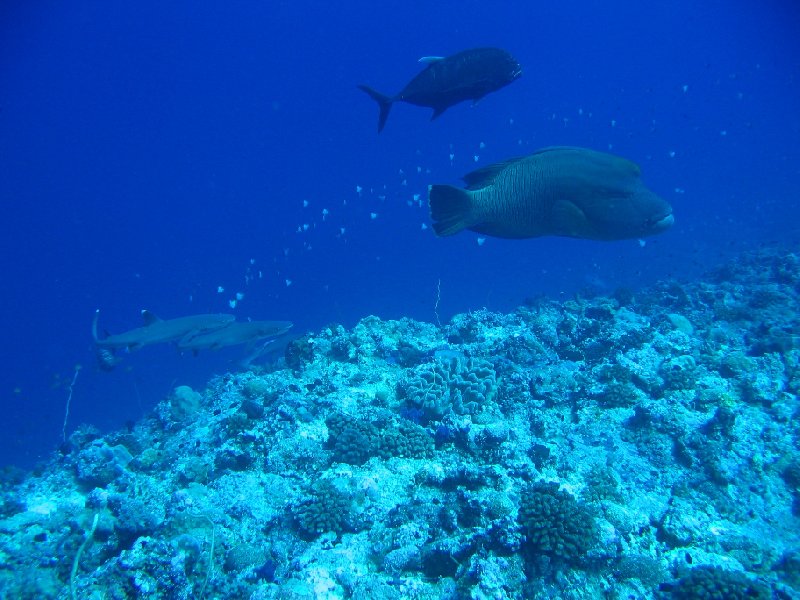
(715, 583)
(639, 445)
(555, 525)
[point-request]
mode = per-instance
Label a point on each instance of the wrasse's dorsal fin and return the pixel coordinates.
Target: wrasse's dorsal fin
(429, 60)
(480, 178)
(149, 318)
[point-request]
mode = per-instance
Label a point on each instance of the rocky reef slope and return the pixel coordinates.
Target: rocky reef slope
(640, 445)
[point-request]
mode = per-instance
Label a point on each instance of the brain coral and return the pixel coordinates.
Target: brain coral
(458, 384)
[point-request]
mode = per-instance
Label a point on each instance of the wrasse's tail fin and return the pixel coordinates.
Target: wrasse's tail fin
(451, 209)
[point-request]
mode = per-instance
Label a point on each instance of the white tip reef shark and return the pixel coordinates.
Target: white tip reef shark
(232, 334)
(194, 332)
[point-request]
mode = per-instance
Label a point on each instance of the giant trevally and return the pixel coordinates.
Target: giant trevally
(562, 191)
(233, 334)
(468, 75)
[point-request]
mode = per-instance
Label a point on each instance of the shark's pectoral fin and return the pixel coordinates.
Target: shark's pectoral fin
(185, 341)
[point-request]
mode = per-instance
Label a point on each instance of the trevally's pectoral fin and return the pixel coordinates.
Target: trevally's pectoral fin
(437, 111)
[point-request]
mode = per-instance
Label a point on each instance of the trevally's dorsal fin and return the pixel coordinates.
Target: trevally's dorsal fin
(480, 178)
(149, 318)
(429, 60)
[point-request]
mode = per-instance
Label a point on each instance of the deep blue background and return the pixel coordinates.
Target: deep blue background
(150, 151)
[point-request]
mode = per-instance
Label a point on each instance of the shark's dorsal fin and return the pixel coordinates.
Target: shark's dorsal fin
(149, 318)
(429, 60)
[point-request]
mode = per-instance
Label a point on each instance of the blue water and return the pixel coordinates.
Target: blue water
(154, 153)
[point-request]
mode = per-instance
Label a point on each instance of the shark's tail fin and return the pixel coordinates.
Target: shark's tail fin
(106, 360)
(384, 102)
(94, 324)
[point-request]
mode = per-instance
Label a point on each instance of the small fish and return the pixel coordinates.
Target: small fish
(562, 191)
(468, 75)
(233, 334)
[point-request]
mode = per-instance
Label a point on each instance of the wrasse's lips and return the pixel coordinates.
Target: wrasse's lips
(664, 223)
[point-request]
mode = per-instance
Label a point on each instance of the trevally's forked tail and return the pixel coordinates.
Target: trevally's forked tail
(384, 103)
